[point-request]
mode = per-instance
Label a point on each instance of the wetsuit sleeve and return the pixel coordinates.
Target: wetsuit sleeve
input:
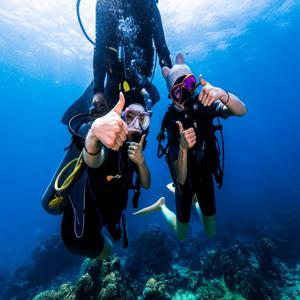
(222, 110)
(160, 41)
(99, 61)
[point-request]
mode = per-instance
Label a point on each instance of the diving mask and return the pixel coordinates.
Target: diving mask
(136, 118)
(184, 89)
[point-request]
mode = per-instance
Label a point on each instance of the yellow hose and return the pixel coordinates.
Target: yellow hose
(58, 199)
(70, 178)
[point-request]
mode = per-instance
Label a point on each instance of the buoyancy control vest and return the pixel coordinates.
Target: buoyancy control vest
(205, 155)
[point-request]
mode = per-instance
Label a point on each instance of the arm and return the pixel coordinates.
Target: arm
(233, 103)
(187, 141)
(160, 41)
(110, 131)
(99, 63)
(93, 153)
(180, 165)
(209, 94)
(135, 154)
(145, 175)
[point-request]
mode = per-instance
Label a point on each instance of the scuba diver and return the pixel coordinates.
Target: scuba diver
(99, 197)
(124, 53)
(192, 151)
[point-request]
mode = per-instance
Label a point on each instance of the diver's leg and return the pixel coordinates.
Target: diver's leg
(107, 248)
(183, 201)
(160, 204)
(209, 223)
(149, 209)
(181, 230)
(178, 227)
(197, 207)
(91, 243)
(207, 205)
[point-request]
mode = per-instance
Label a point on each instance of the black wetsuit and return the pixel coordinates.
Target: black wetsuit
(104, 203)
(135, 24)
(203, 159)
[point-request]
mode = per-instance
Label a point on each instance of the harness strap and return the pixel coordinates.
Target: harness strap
(125, 239)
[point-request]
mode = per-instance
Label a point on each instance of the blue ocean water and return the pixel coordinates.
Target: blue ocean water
(258, 61)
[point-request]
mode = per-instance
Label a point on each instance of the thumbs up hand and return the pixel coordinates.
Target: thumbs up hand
(209, 94)
(187, 137)
(110, 130)
(135, 151)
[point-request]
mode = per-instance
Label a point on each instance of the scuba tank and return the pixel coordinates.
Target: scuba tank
(147, 99)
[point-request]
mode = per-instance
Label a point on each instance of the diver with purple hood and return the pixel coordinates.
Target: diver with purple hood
(192, 153)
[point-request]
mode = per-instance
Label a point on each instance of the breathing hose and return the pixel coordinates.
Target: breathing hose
(80, 23)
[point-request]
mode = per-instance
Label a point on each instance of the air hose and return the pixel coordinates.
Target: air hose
(80, 23)
(93, 43)
(58, 199)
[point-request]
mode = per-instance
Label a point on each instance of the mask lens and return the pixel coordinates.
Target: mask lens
(131, 116)
(144, 121)
(176, 93)
(190, 83)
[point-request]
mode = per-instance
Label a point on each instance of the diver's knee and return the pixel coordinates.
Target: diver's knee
(210, 226)
(181, 229)
(107, 249)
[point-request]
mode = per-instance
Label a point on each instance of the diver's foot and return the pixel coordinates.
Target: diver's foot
(195, 199)
(154, 207)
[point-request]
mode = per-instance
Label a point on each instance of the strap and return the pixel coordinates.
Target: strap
(137, 192)
(125, 238)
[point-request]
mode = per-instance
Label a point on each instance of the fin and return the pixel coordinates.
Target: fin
(81, 105)
(171, 187)
(149, 209)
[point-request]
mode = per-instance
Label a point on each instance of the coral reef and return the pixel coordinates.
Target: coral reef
(50, 262)
(150, 251)
(155, 290)
(157, 268)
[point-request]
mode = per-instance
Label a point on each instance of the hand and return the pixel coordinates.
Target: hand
(135, 151)
(110, 129)
(209, 94)
(187, 137)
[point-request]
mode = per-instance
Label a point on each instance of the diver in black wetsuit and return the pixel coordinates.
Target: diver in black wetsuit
(192, 153)
(123, 54)
(125, 31)
(99, 198)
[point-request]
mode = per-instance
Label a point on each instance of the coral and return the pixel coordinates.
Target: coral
(184, 295)
(66, 292)
(155, 290)
(47, 295)
(110, 264)
(184, 277)
(212, 289)
(94, 268)
(150, 252)
(84, 287)
(157, 269)
(49, 260)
